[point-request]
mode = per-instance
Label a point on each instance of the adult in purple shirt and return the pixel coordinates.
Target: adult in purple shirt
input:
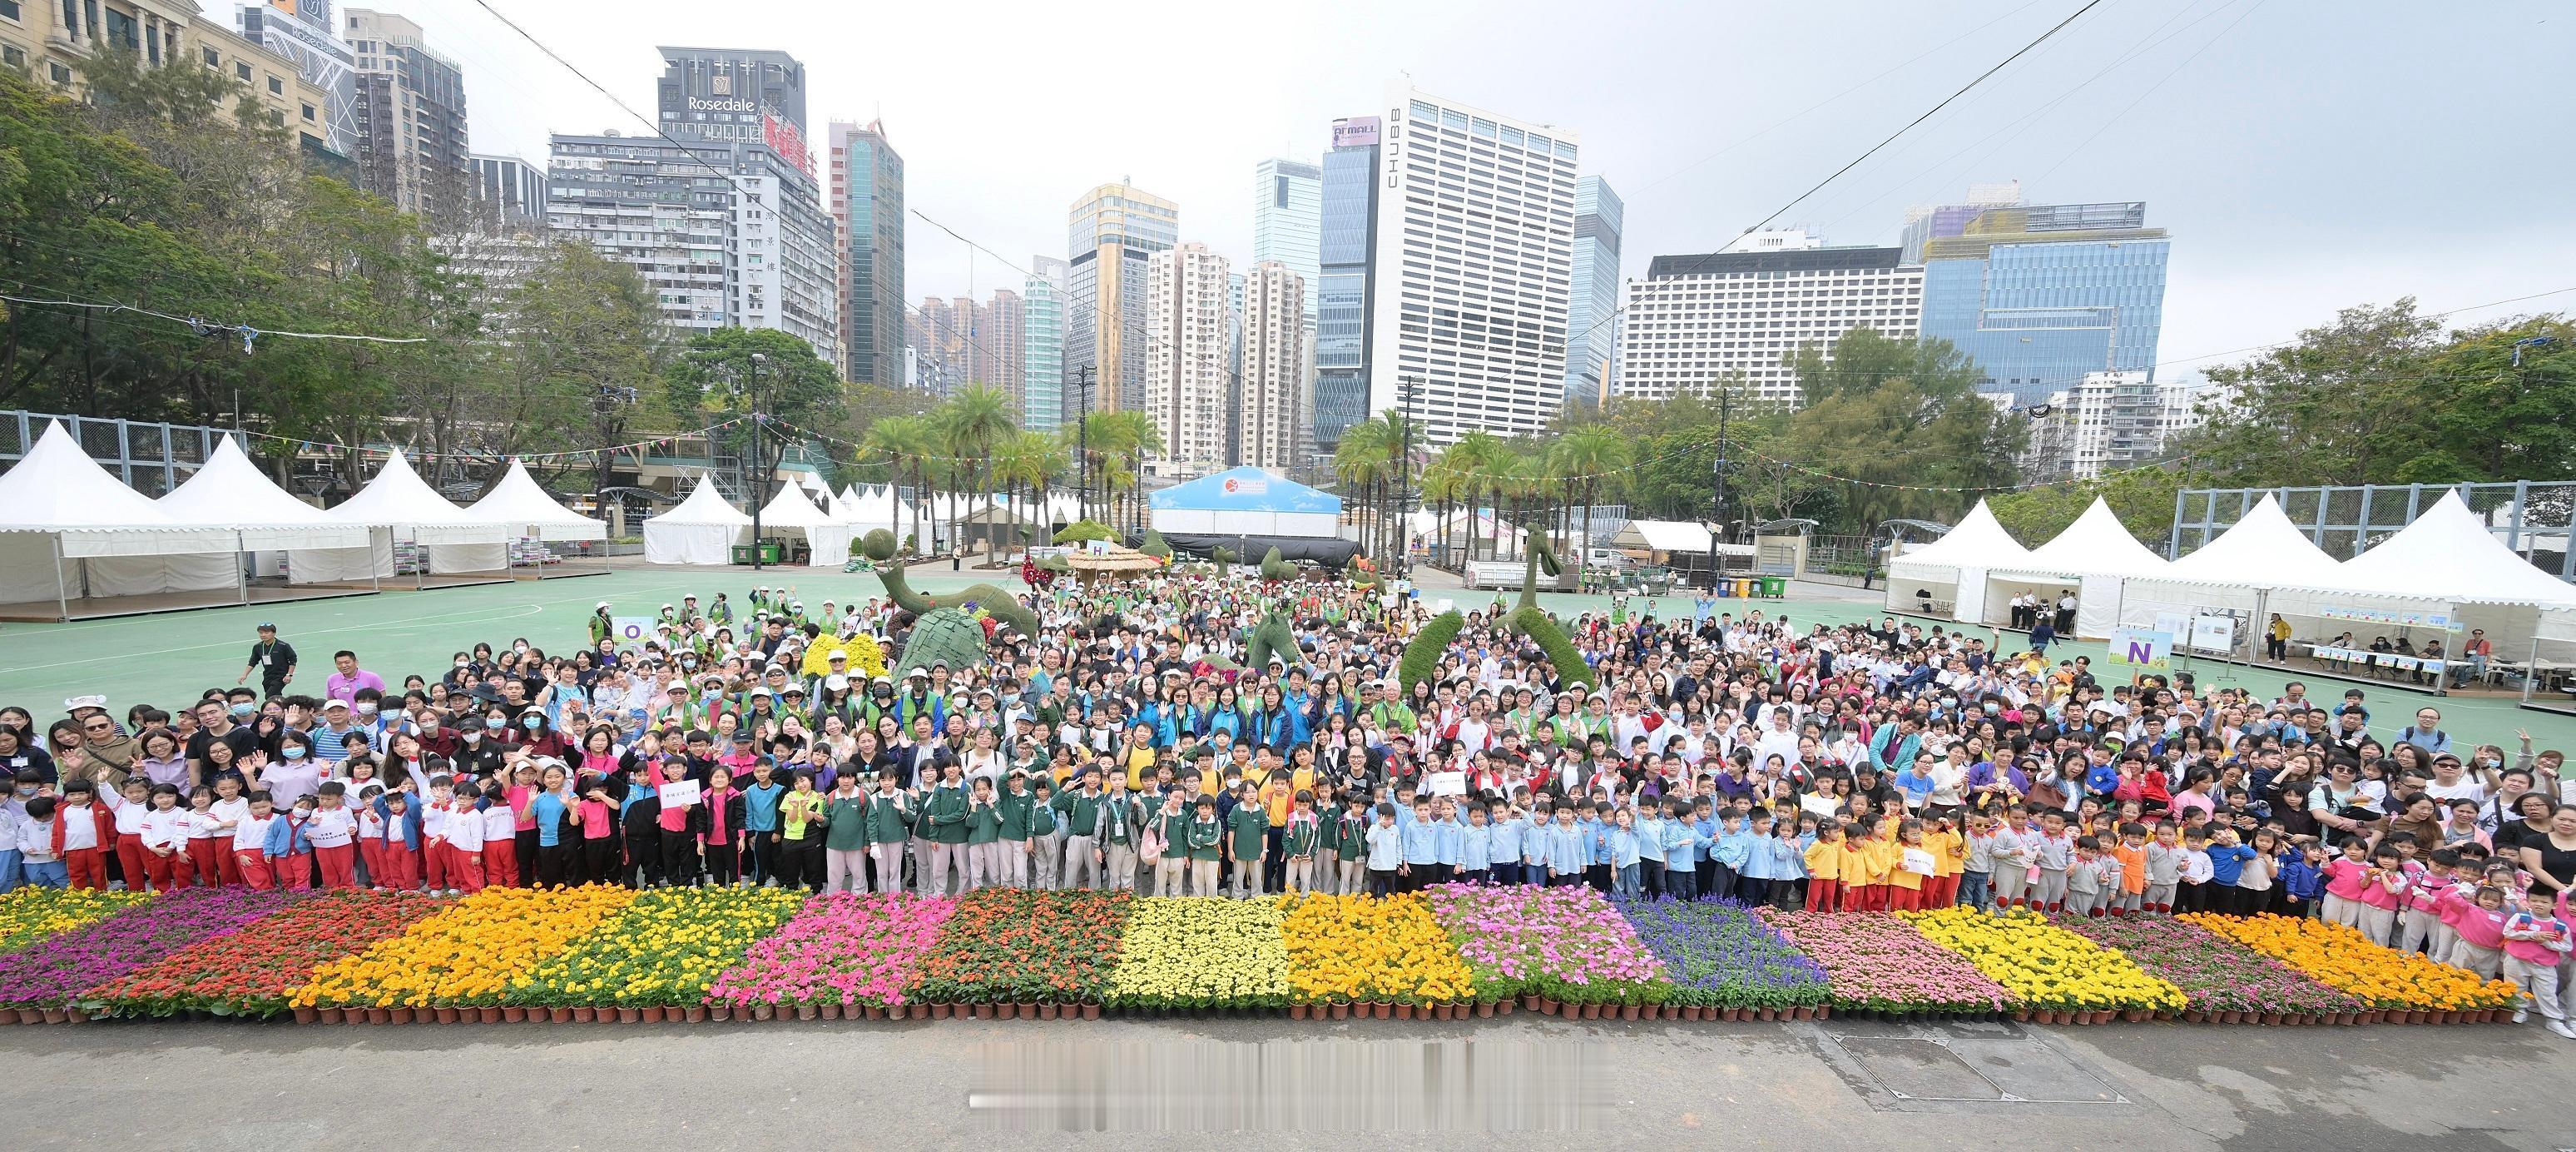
(344, 683)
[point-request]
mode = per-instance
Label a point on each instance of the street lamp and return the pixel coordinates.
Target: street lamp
(759, 453)
(1082, 431)
(1404, 386)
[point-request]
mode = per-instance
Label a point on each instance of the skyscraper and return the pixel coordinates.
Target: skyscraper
(937, 332)
(409, 108)
(1186, 383)
(1706, 323)
(1476, 246)
(303, 31)
(993, 346)
(509, 192)
(1288, 220)
(1268, 417)
(1928, 222)
(1042, 406)
(1592, 314)
(868, 216)
(2043, 295)
(1347, 255)
(1113, 231)
(742, 94)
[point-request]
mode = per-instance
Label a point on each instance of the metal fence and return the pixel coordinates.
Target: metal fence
(1839, 555)
(151, 458)
(2531, 517)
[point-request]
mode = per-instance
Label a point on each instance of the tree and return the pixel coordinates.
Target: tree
(1904, 420)
(2143, 498)
(1587, 456)
(2347, 403)
(585, 333)
(723, 373)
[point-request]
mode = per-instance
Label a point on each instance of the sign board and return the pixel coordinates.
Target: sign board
(1445, 783)
(785, 138)
(681, 793)
(630, 631)
(1246, 486)
(2141, 649)
(2213, 633)
(1495, 573)
(1355, 131)
(2401, 617)
(2173, 623)
(1918, 861)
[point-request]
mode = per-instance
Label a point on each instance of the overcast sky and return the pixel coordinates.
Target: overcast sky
(2305, 155)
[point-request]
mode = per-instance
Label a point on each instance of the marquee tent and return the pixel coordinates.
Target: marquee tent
(790, 510)
(530, 511)
(699, 530)
(2095, 557)
(454, 539)
(279, 530)
(2448, 554)
(1246, 501)
(69, 530)
(1949, 574)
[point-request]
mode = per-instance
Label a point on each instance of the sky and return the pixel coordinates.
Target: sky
(2305, 156)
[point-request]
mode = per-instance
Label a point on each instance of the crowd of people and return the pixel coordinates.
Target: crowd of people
(1859, 767)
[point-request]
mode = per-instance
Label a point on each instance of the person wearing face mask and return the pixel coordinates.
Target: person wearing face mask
(216, 724)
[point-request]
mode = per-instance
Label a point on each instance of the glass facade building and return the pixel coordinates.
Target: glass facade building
(1112, 234)
(2042, 296)
(1592, 315)
(1346, 250)
(1042, 344)
(1288, 220)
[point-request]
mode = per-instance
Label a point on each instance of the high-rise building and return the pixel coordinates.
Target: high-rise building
(1347, 255)
(1732, 320)
(993, 346)
(50, 43)
(1269, 420)
(1592, 314)
(1288, 220)
(964, 342)
(1475, 241)
(2041, 296)
(1114, 230)
(937, 333)
(867, 211)
(737, 94)
(1928, 222)
(509, 192)
(1186, 383)
(729, 233)
(409, 107)
(2106, 422)
(1043, 394)
(302, 31)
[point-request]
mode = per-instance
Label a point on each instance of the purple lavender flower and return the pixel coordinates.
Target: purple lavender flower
(56, 971)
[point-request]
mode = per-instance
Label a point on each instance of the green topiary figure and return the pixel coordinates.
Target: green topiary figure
(1054, 564)
(991, 600)
(944, 635)
(1570, 668)
(1272, 637)
(1155, 546)
(1275, 568)
(1224, 559)
(1082, 530)
(1422, 657)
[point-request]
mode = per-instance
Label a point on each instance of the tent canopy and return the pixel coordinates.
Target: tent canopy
(1245, 489)
(705, 505)
(399, 499)
(57, 489)
(2263, 549)
(526, 508)
(231, 492)
(699, 530)
(2448, 554)
(1684, 537)
(2094, 545)
(1979, 541)
(789, 508)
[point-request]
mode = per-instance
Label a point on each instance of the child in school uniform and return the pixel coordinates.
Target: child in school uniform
(2254, 881)
(717, 820)
(2084, 894)
(2010, 850)
(165, 841)
(500, 838)
(127, 805)
(463, 840)
(1949, 852)
(2303, 882)
(2479, 920)
(983, 837)
(250, 844)
(1299, 842)
(1351, 860)
(2055, 852)
(2197, 870)
(2384, 886)
(1448, 841)
(2165, 858)
(1567, 855)
(801, 821)
(1204, 840)
(1421, 846)
(1620, 843)
(84, 832)
(332, 829)
(13, 818)
(2227, 860)
(2131, 852)
(1046, 837)
(38, 861)
(289, 850)
(1913, 868)
(1476, 862)
(1825, 861)
(596, 817)
(1247, 837)
(1753, 877)
(2536, 942)
(1385, 851)
(1534, 844)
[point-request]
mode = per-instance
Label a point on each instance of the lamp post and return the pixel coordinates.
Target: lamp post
(1717, 501)
(1404, 387)
(759, 454)
(1084, 377)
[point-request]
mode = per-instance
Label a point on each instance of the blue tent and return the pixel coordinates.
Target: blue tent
(1245, 489)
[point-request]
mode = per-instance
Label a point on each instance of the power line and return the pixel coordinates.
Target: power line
(204, 327)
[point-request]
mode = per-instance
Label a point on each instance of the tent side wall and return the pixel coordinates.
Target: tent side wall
(692, 543)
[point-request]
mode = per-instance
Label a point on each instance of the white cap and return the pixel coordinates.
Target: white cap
(836, 682)
(917, 670)
(603, 603)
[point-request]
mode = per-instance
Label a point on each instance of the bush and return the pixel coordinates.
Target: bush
(1082, 530)
(1422, 657)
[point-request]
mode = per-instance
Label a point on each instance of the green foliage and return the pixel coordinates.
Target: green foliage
(1224, 559)
(878, 544)
(1082, 530)
(1156, 546)
(1539, 626)
(1275, 568)
(2143, 497)
(1899, 412)
(947, 634)
(1271, 637)
(1421, 660)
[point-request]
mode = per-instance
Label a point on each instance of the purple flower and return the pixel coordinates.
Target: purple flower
(55, 972)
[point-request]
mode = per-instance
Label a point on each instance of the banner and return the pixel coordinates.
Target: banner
(2401, 617)
(2141, 649)
(1445, 783)
(630, 632)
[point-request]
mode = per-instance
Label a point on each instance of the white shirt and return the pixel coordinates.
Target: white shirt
(250, 833)
(331, 827)
(464, 830)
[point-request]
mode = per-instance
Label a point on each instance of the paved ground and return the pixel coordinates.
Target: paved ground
(173, 656)
(1130, 1085)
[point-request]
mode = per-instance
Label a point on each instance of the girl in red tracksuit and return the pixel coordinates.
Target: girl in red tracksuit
(333, 829)
(206, 846)
(165, 842)
(463, 838)
(129, 804)
(84, 832)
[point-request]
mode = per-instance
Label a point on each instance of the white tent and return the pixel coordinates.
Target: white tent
(790, 510)
(68, 529)
(279, 530)
(529, 511)
(2262, 549)
(1676, 538)
(700, 530)
(456, 540)
(1949, 574)
(2448, 554)
(2095, 557)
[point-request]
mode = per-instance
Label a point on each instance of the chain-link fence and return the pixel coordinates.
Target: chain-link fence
(152, 458)
(2531, 517)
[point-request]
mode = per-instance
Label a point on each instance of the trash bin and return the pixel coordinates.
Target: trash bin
(769, 552)
(1775, 587)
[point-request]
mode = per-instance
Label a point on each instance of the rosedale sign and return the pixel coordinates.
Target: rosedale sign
(701, 105)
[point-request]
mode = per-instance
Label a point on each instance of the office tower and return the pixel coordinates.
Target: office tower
(1288, 220)
(1113, 231)
(868, 216)
(302, 31)
(736, 94)
(2040, 296)
(937, 332)
(1044, 391)
(1186, 383)
(993, 346)
(728, 233)
(1268, 418)
(409, 107)
(1476, 250)
(509, 193)
(1734, 319)
(1347, 255)
(1927, 222)
(1592, 314)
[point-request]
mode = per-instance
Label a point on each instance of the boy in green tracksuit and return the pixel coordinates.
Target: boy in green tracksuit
(1120, 823)
(1078, 809)
(890, 821)
(1249, 824)
(1298, 842)
(845, 836)
(1014, 806)
(1171, 824)
(1046, 849)
(983, 838)
(948, 811)
(1205, 839)
(1328, 845)
(1352, 855)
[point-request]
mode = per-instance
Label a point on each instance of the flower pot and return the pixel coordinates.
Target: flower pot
(943, 1011)
(808, 1011)
(31, 1015)
(327, 1015)
(1507, 1007)
(1049, 1011)
(1380, 1009)
(559, 1015)
(444, 1015)
(1341, 1009)
(2136, 1015)
(1296, 1011)
(764, 1011)
(1545, 1006)
(662, 1013)
(2022, 1015)
(513, 1014)
(697, 1014)
(605, 1015)
(2105, 1015)
(1448, 1012)
(1730, 1015)
(1630, 1011)
(402, 1015)
(2272, 1018)
(1770, 1013)
(1091, 1011)
(1484, 1009)
(2231, 1017)
(720, 1012)
(302, 1016)
(1531, 1002)
(56, 1016)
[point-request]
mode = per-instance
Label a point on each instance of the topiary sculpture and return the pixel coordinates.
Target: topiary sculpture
(1224, 559)
(1421, 659)
(1528, 619)
(1275, 568)
(948, 628)
(1155, 546)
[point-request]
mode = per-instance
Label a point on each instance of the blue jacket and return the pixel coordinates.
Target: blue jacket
(2301, 881)
(2226, 864)
(1476, 844)
(410, 821)
(1681, 844)
(1650, 838)
(1421, 843)
(1565, 849)
(286, 838)
(1449, 841)
(1735, 849)
(1505, 843)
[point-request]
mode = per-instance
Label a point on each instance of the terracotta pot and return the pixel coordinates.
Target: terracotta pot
(1380, 1009)
(1445, 1012)
(983, 1011)
(1531, 1002)
(1091, 1011)
(1769, 1013)
(1631, 1011)
(605, 1015)
(56, 1016)
(627, 1015)
(1484, 1009)
(873, 1012)
(2022, 1015)
(2106, 1015)
(943, 1011)
(30, 1015)
(1296, 1011)
(302, 1016)
(697, 1014)
(1341, 1009)
(1050, 1011)
(559, 1015)
(764, 1011)
(2230, 1017)
(2136, 1015)
(719, 1011)
(327, 1015)
(513, 1014)
(2272, 1018)
(1730, 1014)
(401, 1016)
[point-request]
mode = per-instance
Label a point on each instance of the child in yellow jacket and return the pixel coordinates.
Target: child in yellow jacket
(1825, 862)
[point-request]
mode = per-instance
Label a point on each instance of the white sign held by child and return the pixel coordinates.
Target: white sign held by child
(680, 793)
(1918, 861)
(1446, 783)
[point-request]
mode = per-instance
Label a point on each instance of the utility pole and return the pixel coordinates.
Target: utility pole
(1082, 430)
(1717, 505)
(759, 456)
(1404, 386)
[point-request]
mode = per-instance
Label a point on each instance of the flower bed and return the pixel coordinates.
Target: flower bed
(663, 950)
(2046, 968)
(845, 948)
(1881, 964)
(253, 973)
(1718, 955)
(1180, 952)
(1004, 946)
(2216, 975)
(2342, 958)
(31, 914)
(1564, 944)
(477, 952)
(50, 973)
(1354, 949)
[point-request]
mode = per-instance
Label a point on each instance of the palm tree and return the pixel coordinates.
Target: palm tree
(1475, 452)
(1360, 465)
(1029, 459)
(979, 419)
(902, 441)
(1444, 482)
(1142, 439)
(1102, 435)
(1584, 455)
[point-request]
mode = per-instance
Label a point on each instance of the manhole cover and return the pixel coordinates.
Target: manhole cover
(1919, 1069)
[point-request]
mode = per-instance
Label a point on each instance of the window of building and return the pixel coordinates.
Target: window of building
(241, 70)
(9, 8)
(276, 87)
